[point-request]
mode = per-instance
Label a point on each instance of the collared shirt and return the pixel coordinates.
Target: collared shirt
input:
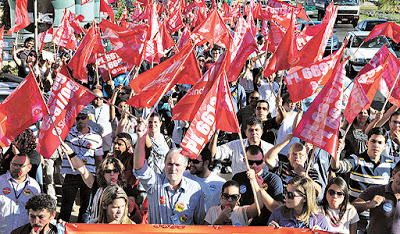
(12, 210)
(384, 218)
(233, 150)
(86, 147)
(185, 206)
(392, 150)
(158, 151)
(100, 123)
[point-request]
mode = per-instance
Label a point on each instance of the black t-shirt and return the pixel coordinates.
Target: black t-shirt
(272, 184)
(270, 130)
(26, 229)
(23, 70)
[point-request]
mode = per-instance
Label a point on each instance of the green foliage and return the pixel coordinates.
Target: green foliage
(387, 4)
(121, 8)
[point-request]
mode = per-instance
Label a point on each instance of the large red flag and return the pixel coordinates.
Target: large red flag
(299, 11)
(184, 38)
(74, 20)
(1, 45)
(216, 112)
(151, 85)
(111, 65)
(174, 23)
(320, 124)
(81, 57)
(286, 53)
(275, 36)
(42, 37)
(388, 29)
(105, 8)
(155, 48)
(21, 16)
(24, 107)
(64, 35)
(214, 30)
(309, 78)
(136, 13)
(66, 100)
(363, 92)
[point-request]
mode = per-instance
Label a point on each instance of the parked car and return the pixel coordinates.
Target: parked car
(369, 24)
(361, 56)
(329, 46)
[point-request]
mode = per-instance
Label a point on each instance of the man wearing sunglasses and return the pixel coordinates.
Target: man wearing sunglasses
(233, 149)
(249, 110)
(269, 182)
(270, 125)
(88, 145)
(172, 198)
(210, 182)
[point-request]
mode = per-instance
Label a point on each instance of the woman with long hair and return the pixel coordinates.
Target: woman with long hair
(113, 206)
(342, 216)
(300, 210)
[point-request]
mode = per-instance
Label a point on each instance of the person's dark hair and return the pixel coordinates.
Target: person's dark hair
(285, 98)
(263, 101)
(396, 168)
(156, 115)
(355, 121)
(252, 121)
(120, 100)
(29, 39)
(260, 37)
(230, 183)
(206, 155)
(125, 135)
(339, 181)
(378, 131)
(396, 113)
(25, 141)
(254, 150)
(216, 48)
(117, 165)
(40, 202)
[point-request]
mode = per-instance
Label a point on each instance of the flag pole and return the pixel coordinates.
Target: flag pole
(310, 161)
(391, 90)
(97, 69)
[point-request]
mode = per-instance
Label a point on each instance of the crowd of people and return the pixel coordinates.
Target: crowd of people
(131, 170)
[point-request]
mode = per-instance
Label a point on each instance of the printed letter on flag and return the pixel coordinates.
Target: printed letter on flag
(66, 100)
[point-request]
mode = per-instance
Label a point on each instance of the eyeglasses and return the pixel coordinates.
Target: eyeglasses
(292, 195)
(234, 197)
(258, 162)
(263, 108)
(202, 60)
(333, 192)
(123, 93)
(81, 118)
(109, 171)
(194, 161)
(255, 98)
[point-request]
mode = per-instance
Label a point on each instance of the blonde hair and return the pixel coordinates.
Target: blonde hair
(305, 186)
(109, 194)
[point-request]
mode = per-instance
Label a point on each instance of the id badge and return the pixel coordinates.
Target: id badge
(175, 220)
(18, 210)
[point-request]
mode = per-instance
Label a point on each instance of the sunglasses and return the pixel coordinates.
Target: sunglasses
(256, 98)
(234, 197)
(202, 60)
(258, 162)
(292, 195)
(195, 161)
(263, 108)
(109, 171)
(81, 118)
(333, 192)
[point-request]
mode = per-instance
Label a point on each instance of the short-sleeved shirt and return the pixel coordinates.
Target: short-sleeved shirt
(384, 218)
(315, 220)
(270, 130)
(158, 151)
(12, 210)
(272, 184)
(238, 216)
(185, 206)
(343, 225)
(100, 123)
(245, 113)
(234, 151)
(86, 146)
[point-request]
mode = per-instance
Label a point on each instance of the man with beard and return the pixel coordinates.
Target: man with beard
(210, 183)
(87, 144)
(121, 150)
(41, 210)
(16, 189)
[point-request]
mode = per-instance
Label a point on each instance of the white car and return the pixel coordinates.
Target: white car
(361, 53)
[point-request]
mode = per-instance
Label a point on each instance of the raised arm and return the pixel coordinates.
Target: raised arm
(113, 100)
(280, 111)
(251, 211)
(271, 155)
(140, 154)
(14, 54)
(213, 143)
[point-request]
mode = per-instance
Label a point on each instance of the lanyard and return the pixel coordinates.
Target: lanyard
(15, 191)
(170, 201)
(98, 116)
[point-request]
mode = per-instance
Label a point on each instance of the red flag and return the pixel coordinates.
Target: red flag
(111, 65)
(153, 21)
(299, 11)
(24, 107)
(110, 28)
(275, 36)
(286, 53)
(320, 124)
(226, 7)
(64, 35)
(388, 29)
(128, 44)
(214, 30)
(21, 16)
(124, 15)
(154, 83)
(66, 100)
(200, 16)
(81, 57)
(136, 13)
(309, 78)
(363, 92)
(184, 38)
(42, 37)
(155, 48)
(208, 117)
(1, 45)
(243, 44)
(83, 2)
(74, 20)
(174, 23)
(105, 8)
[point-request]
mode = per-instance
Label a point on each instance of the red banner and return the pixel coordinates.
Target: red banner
(320, 124)
(66, 100)
(42, 37)
(21, 109)
(388, 29)
(65, 36)
(21, 16)
(83, 228)
(112, 65)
